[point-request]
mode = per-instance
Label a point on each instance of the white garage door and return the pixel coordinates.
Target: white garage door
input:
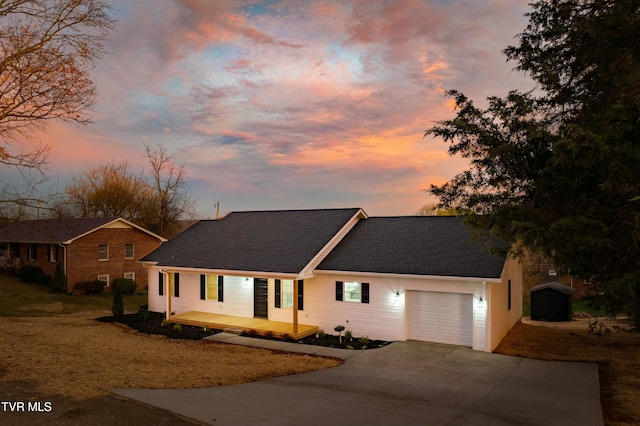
(441, 317)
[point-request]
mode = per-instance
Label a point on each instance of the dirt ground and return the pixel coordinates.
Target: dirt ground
(65, 366)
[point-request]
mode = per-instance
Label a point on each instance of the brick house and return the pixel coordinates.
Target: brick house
(101, 248)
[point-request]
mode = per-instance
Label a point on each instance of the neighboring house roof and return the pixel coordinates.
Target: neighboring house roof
(281, 241)
(58, 231)
(416, 245)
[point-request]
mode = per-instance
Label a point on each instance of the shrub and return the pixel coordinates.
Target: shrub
(28, 273)
(43, 279)
(90, 287)
(339, 329)
(165, 322)
(59, 278)
(117, 307)
(348, 335)
(364, 341)
(177, 328)
(143, 312)
(321, 333)
(125, 285)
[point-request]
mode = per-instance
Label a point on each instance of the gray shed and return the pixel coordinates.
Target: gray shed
(551, 302)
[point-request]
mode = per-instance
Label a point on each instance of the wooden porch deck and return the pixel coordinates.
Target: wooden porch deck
(258, 325)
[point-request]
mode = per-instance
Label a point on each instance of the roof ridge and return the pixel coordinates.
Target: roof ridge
(296, 210)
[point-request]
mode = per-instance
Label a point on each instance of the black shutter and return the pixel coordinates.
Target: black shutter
(160, 284)
(220, 288)
(365, 293)
(300, 295)
(509, 296)
(277, 296)
(35, 252)
(339, 290)
(176, 284)
(203, 286)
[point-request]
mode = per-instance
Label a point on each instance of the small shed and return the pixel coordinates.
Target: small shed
(551, 302)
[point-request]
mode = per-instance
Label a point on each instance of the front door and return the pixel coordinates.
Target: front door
(260, 298)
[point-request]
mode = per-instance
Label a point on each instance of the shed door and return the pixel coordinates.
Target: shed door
(260, 298)
(441, 317)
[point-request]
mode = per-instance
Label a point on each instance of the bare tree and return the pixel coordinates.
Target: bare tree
(172, 197)
(108, 190)
(48, 49)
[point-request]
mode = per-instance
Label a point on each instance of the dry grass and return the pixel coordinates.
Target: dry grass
(617, 355)
(80, 358)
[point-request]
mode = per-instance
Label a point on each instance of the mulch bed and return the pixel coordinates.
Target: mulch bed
(153, 325)
(332, 341)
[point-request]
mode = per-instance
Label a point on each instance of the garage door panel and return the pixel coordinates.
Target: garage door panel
(441, 317)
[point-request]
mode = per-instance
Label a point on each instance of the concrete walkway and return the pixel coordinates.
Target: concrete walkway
(405, 383)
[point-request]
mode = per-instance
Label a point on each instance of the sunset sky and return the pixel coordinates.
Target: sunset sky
(293, 104)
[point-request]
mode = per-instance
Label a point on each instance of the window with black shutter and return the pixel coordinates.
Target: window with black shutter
(300, 295)
(176, 284)
(220, 288)
(277, 295)
(365, 292)
(203, 287)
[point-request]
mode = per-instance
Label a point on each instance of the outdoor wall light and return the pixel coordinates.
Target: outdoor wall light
(480, 300)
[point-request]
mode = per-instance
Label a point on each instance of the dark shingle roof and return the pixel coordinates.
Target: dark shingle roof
(554, 285)
(268, 241)
(50, 230)
(420, 245)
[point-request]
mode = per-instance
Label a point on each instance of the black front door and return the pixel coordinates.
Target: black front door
(260, 298)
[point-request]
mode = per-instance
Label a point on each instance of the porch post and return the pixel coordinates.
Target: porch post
(295, 309)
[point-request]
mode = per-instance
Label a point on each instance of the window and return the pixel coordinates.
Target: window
(286, 288)
(352, 291)
(130, 276)
(128, 251)
(283, 294)
(32, 251)
(104, 278)
(103, 252)
(211, 287)
(53, 253)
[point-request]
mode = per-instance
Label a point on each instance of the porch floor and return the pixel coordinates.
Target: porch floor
(260, 326)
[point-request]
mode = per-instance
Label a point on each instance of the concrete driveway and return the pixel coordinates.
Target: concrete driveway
(405, 383)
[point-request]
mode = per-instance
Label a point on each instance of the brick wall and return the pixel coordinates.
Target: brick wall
(42, 258)
(83, 263)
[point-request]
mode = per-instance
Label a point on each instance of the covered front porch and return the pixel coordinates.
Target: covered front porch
(260, 326)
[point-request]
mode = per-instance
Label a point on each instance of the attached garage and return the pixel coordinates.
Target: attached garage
(440, 317)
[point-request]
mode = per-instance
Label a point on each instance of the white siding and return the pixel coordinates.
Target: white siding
(238, 296)
(381, 318)
(385, 317)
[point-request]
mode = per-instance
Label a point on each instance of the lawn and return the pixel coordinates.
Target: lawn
(85, 358)
(54, 350)
(18, 299)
